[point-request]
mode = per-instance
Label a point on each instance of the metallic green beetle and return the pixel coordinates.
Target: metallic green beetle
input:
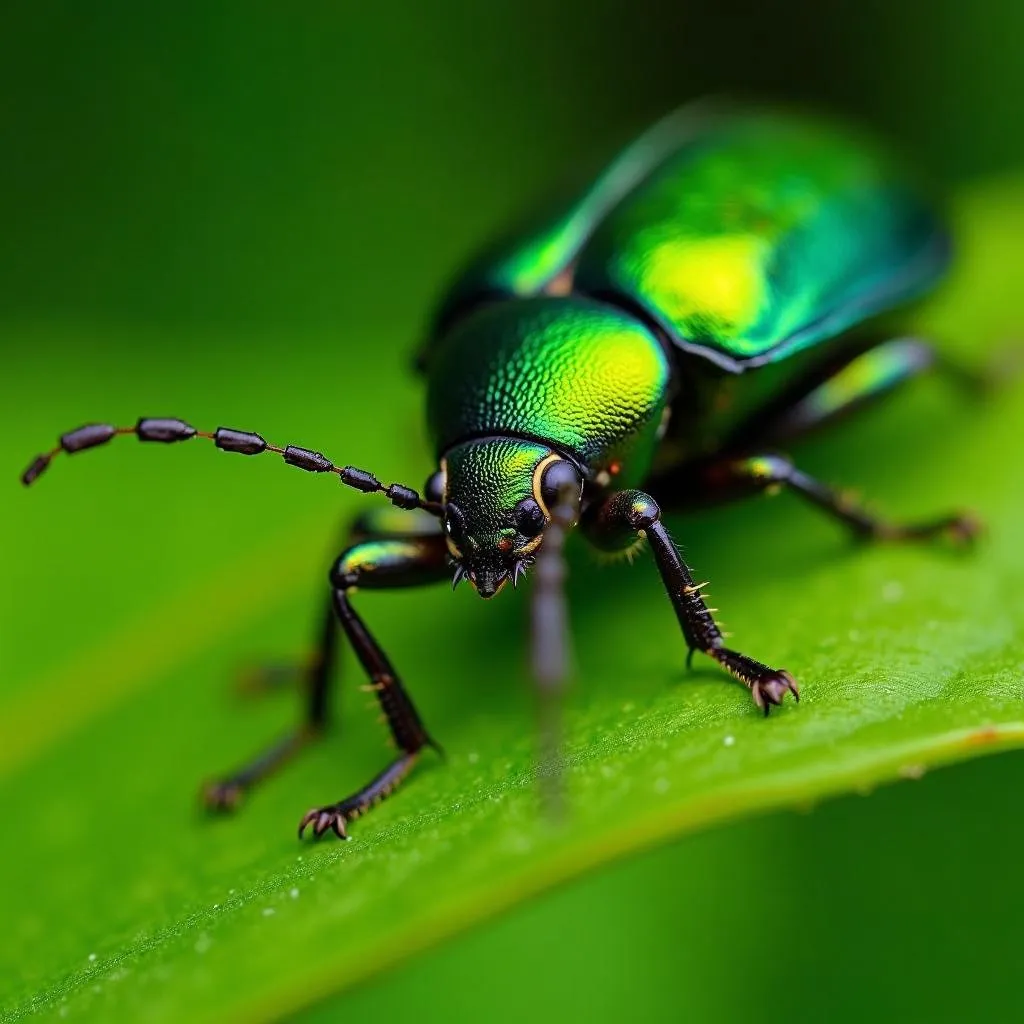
(707, 298)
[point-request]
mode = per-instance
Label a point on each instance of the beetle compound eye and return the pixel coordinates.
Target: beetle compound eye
(558, 476)
(455, 522)
(529, 518)
(433, 489)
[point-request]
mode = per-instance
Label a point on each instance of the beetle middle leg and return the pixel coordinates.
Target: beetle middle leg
(615, 524)
(736, 477)
(366, 536)
(857, 376)
(858, 373)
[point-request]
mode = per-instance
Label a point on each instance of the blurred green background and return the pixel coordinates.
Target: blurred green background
(272, 198)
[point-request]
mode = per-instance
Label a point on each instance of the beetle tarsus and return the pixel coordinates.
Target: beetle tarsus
(226, 794)
(964, 529)
(771, 690)
(768, 686)
(960, 529)
(322, 819)
(223, 797)
(335, 817)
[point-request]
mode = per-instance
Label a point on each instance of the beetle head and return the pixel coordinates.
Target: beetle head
(498, 496)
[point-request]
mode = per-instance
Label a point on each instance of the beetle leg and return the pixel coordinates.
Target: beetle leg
(615, 523)
(386, 563)
(550, 652)
(226, 793)
(855, 376)
(858, 375)
(267, 677)
(312, 672)
(735, 477)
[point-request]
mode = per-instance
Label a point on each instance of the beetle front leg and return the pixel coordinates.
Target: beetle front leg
(615, 524)
(378, 560)
(389, 563)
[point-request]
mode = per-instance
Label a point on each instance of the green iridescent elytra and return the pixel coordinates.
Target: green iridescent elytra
(745, 235)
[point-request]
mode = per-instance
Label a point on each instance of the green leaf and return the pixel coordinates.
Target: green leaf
(138, 578)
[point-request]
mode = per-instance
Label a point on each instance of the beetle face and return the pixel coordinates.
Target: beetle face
(498, 501)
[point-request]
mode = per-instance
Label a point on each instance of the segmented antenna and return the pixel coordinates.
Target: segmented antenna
(170, 431)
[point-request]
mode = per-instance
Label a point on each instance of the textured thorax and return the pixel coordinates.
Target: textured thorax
(586, 377)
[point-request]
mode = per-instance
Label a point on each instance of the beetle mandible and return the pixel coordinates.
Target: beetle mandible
(708, 298)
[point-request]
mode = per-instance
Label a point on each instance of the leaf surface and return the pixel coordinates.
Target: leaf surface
(138, 579)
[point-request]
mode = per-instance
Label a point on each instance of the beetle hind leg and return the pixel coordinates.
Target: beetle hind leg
(768, 473)
(859, 374)
(225, 794)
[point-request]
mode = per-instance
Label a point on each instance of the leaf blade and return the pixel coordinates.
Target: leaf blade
(908, 659)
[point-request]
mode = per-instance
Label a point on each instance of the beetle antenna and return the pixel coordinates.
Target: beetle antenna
(242, 442)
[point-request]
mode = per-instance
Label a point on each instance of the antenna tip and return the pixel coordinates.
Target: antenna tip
(35, 470)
